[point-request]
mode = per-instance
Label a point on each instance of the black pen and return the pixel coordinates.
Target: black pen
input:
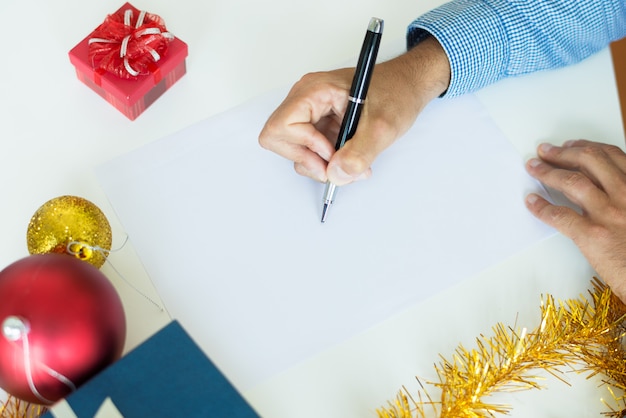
(360, 83)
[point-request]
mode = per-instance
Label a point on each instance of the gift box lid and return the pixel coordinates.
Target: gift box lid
(130, 90)
(167, 375)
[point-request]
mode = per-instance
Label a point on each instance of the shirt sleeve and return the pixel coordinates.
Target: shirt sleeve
(487, 40)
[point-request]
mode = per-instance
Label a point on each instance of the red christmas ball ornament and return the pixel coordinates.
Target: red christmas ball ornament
(62, 323)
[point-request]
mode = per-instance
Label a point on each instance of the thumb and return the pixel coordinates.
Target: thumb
(353, 161)
(347, 166)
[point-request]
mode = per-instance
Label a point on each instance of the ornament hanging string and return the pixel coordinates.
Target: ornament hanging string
(78, 248)
(16, 329)
(126, 49)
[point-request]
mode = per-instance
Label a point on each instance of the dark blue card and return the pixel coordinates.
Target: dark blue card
(166, 376)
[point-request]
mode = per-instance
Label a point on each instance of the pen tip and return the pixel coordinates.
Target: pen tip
(325, 212)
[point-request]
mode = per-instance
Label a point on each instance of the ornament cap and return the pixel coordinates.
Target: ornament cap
(14, 328)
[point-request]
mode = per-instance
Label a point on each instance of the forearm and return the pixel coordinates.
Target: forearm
(487, 40)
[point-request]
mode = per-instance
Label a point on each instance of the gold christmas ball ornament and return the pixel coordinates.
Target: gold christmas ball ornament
(70, 225)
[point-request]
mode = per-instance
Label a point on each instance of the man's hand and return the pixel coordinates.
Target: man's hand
(304, 127)
(593, 176)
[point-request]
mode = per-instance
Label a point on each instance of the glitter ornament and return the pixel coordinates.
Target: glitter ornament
(70, 225)
(61, 323)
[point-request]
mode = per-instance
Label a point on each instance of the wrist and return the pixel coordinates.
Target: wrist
(429, 66)
(406, 84)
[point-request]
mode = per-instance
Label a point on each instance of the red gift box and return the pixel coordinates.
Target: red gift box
(130, 86)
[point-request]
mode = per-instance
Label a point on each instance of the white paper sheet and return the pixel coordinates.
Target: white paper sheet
(232, 239)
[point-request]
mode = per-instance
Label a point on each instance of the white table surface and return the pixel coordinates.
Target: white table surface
(54, 131)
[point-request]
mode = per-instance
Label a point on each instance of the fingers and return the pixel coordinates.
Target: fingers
(577, 187)
(562, 218)
(301, 143)
(296, 129)
(602, 164)
(589, 174)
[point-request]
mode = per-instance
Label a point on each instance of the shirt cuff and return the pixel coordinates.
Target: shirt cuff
(476, 60)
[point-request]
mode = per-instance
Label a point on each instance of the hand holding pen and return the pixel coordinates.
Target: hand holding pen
(305, 126)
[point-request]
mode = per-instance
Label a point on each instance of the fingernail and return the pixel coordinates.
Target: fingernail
(546, 147)
(319, 175)
(326, 156)
(534, 162)
(531, 199)
(339, 177)
(315, 174)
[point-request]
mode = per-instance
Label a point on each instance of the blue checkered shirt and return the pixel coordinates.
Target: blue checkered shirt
(487, 40)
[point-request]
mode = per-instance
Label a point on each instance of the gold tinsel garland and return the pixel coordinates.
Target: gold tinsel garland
(16, 408)
(578, 334)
